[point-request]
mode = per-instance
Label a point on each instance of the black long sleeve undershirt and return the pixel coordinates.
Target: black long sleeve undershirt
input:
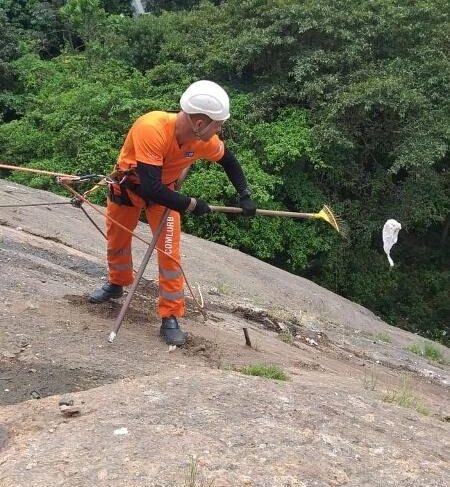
(234, 171)
(153, 190)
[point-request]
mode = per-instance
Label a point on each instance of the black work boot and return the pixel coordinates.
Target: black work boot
(105, 293)
(171, 331)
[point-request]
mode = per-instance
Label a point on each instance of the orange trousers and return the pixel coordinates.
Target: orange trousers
(120, 261)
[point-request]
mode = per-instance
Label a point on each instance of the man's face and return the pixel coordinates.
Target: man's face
(206, 128)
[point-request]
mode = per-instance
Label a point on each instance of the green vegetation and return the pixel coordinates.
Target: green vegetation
(333, 102)
(404, 397)
(286, 336)
(193, 477)
(370, 379)
(267, 371)
(428, 350)
(383, 337)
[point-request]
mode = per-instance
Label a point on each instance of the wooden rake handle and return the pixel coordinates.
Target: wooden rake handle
(288, 214)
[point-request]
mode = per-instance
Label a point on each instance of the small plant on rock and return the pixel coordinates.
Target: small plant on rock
(404, 397)
(267, 371)
(193, 477)
(383, 337)
(286, 336)
(369, 379)
(428, 350)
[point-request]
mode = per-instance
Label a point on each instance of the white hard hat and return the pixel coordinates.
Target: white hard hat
(208, 98)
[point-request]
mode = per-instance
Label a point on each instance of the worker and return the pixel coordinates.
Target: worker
(158, 147)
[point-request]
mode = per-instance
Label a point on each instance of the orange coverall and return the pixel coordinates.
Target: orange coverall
(151, 140)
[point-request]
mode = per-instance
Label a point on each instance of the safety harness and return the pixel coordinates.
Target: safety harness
(119, 182)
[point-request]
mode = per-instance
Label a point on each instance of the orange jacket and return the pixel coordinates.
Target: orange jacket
(152, 140)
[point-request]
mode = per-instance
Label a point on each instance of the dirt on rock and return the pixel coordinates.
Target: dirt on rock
(358, 408)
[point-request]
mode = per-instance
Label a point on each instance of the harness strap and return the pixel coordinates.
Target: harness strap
(119, 183)
(123, 199)
(117, 192)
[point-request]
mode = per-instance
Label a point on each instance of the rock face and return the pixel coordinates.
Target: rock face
(358, 409)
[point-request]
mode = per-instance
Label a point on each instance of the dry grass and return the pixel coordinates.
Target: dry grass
(383, 337)
(193, 477)
(404, 397)
(370, 379)
(428, 350)
(286, 336)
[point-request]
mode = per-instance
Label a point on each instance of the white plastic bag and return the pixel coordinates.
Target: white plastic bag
(390, 235)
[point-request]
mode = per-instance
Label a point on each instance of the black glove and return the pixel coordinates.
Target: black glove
(248, 206)
(201, 208)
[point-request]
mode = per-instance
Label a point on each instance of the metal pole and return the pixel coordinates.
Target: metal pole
(291, 214)
(144, 263)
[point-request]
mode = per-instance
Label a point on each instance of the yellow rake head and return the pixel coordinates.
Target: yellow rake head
(336, 222)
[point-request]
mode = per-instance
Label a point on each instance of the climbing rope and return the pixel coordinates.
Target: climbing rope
(37, 204)
(85, 200)
(66, 180)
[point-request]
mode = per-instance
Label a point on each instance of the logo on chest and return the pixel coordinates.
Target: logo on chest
(189, 154)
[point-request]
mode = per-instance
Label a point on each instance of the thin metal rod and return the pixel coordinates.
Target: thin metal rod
(290, 214)
(144, 263)
(247, 338)
(138, 276)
